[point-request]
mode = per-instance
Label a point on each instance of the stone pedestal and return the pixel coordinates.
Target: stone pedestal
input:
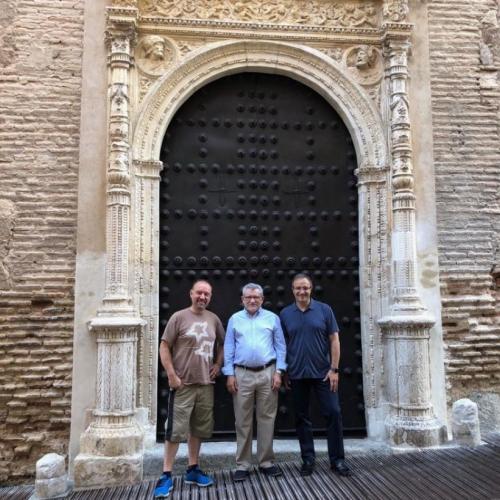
(51, 478)
(111, 448)
(411, 421)
(465, 423)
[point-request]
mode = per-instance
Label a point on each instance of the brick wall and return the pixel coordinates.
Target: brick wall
(464, 45)
(40, 79)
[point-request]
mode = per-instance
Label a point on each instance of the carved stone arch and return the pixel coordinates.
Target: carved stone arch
(365, 124)
(307, 65)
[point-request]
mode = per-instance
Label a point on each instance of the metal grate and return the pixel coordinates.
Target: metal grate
(442, 474)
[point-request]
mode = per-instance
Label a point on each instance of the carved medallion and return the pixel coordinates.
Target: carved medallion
(154, 54)
(365, 63)
(360, 14)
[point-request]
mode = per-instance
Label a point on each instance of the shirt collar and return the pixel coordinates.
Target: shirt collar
(312, 305)
(248, 315)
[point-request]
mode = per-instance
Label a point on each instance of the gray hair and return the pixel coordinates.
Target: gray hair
(252, 286)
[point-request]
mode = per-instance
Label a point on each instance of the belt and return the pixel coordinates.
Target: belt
(257, 368)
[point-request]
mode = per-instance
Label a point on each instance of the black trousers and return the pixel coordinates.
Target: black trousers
(330, 409)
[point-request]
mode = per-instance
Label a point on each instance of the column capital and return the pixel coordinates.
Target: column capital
(372, 174)
(148, 168)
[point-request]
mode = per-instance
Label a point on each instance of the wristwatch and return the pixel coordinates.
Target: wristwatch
(279, 372)
(334, 370)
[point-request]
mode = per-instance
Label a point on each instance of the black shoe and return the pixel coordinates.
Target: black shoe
(240, 475)
(341, 468)
(307, 468)
(272, 471)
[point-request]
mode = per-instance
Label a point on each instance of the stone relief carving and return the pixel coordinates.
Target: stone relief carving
(310, 12)
(365, 63)
(154, 54)
(335, 53)
(124, 3)
(185, 47)
(396, 11)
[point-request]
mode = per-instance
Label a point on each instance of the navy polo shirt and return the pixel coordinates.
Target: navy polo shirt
(307, 337)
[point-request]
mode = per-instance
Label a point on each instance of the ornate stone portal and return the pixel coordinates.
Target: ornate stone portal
(355, 54)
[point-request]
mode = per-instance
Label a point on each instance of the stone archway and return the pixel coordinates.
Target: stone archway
(362, 119)
(395, 326)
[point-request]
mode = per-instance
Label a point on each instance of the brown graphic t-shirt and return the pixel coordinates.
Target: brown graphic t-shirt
(191, 340)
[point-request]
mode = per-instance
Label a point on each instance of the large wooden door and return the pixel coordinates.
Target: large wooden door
(258, 184)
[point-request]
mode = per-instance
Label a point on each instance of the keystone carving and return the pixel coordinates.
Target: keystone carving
(309, 12)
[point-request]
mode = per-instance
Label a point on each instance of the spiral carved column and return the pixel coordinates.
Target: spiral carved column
(111, 448)
(406, 329)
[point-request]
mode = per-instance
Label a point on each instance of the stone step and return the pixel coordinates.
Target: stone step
(220, 455)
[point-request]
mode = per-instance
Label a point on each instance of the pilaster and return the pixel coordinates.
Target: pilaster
(406, 329)
(111, 447)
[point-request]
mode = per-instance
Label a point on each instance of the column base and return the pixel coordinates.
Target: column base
(91, 471)
(415, 432)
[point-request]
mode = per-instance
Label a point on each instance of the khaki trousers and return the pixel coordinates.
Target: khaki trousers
(254, 388)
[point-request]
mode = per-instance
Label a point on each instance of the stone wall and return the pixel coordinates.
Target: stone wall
(40, 79)
(464, 45)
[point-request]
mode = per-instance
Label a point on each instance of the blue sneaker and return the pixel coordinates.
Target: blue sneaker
(198, 477)
(164, 487)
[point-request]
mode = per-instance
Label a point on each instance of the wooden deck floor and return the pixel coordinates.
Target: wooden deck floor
(444, 474)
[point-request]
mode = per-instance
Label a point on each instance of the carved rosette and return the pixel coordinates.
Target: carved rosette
(396, 11)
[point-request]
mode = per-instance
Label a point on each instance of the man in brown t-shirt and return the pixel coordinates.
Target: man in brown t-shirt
(186, 352)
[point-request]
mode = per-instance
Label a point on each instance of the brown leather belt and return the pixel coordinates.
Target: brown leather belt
(257, 368)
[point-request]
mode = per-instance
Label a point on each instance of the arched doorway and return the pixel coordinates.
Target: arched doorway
(258, 184)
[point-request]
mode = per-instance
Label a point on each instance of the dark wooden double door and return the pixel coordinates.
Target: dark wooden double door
(258, 184)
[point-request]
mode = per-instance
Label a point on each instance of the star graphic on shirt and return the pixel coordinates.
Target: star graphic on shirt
(198, 330)
(205, 350)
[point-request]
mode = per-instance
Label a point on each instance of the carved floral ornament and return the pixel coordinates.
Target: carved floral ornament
(358, 14)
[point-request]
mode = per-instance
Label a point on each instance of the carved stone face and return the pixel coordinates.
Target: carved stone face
(154, 48)
(363, 59)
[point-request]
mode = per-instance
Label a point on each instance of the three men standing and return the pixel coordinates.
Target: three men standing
(313, 353)
(255, 355)
(254, 359)
(186, 352)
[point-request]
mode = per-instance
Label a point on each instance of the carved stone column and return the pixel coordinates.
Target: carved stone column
(146, 280)
(111, 447)
(406, 329)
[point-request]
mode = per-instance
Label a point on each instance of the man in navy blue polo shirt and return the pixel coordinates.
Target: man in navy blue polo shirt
(313, 354)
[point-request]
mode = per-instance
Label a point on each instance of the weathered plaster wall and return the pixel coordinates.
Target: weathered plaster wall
(464, 49)
(40, 79)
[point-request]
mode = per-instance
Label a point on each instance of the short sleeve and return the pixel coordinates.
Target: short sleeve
(171, 331)
(219, 331)
(331, 322)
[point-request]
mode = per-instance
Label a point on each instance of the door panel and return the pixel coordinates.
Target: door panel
(258, 184)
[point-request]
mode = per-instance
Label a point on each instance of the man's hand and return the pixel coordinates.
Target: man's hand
(276, 384)
(286, 381)
(231, 384)
(174, 381)
(333, 378)
(214, 371)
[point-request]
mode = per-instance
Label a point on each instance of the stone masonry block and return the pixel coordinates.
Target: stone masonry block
(465, 423)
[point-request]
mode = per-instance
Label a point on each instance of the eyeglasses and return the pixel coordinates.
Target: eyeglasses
(252, 297)
(304, 288)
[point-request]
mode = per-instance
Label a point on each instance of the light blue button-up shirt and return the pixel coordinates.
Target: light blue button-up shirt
(254, 340)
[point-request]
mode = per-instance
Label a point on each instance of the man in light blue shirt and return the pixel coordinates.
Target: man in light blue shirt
(254, 359)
